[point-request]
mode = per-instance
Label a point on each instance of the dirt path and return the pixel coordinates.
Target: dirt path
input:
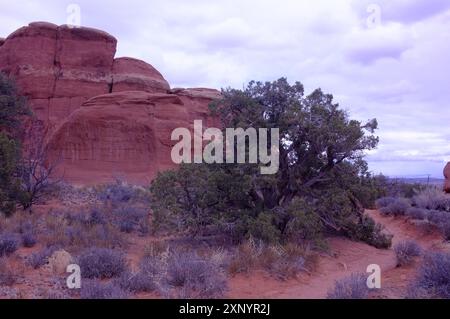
(348, 257)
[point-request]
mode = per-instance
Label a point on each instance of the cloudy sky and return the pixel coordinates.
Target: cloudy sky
(387, 59)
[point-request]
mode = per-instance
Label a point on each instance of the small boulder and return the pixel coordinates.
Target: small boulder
(59, 261)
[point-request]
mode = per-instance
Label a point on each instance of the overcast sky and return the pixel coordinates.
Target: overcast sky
(387, 59)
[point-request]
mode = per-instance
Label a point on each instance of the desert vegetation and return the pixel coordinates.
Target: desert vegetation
(428, 207)
(193, 229)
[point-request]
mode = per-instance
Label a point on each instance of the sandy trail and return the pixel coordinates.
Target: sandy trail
(348, 257)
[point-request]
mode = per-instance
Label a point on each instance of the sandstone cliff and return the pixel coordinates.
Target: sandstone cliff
(108, 116)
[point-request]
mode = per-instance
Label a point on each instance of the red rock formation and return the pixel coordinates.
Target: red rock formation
(107, 116)
(125, 133)
(135, 75)
(59, 67)
(447, 178)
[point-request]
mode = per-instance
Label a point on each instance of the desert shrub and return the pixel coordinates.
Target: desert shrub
(405, 252)
(432, 198)
(239, 201)
(137, 282)
(121, 192)
(7, 276)
(245, 256)
(304, 225)
(97, 216)
(8, 244)
(352, 287)
(102, 263)
(129, 217)
(402, 188)
(445, 228)
(152, 265)
(438, 217)
(433, 280)
(397, 208)
(155, 248)
(40, 258)
(94, 289)
(282, 263)
(195, 276)
(384, 202)
(79, 230)
(263, 227)
(13, 108)
(9, 184)
(370, 232)
(417, 213)
(151, 268)
(29, 239)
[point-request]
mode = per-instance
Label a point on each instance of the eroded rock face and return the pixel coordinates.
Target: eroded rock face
(60, 67)
(447, 178)
(107, 116)
(135, 75)
(122, 134)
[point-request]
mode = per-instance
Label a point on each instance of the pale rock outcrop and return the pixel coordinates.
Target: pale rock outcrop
(59, 261)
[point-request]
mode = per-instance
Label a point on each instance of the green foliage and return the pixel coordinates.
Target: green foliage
(370, 232)
(12, 109)
(263, 227)
(322, 183)
(304, 223)
(9, 185)
(12, 105)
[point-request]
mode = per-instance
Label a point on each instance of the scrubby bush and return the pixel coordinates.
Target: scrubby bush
(245, 256)
(384, 202)
(40, 258)
(151, 269)
(13, 109)
(433, 280)
(120, 192)
(8, 244)
(397, 208)
(283, 262)
(352, 287)
(155, 248)
(79, 231)
(195, 276)
(128, 218)
(94, 289)
(7, 276)
(97, 216)
(438, 217)
(432, 198)
(137, 282)
(405, 252)
(445, 228)
(371, 232)
(417, 213)
(102, 263)
(29, 239)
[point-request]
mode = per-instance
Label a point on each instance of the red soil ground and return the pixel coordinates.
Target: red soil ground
(346, 257)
